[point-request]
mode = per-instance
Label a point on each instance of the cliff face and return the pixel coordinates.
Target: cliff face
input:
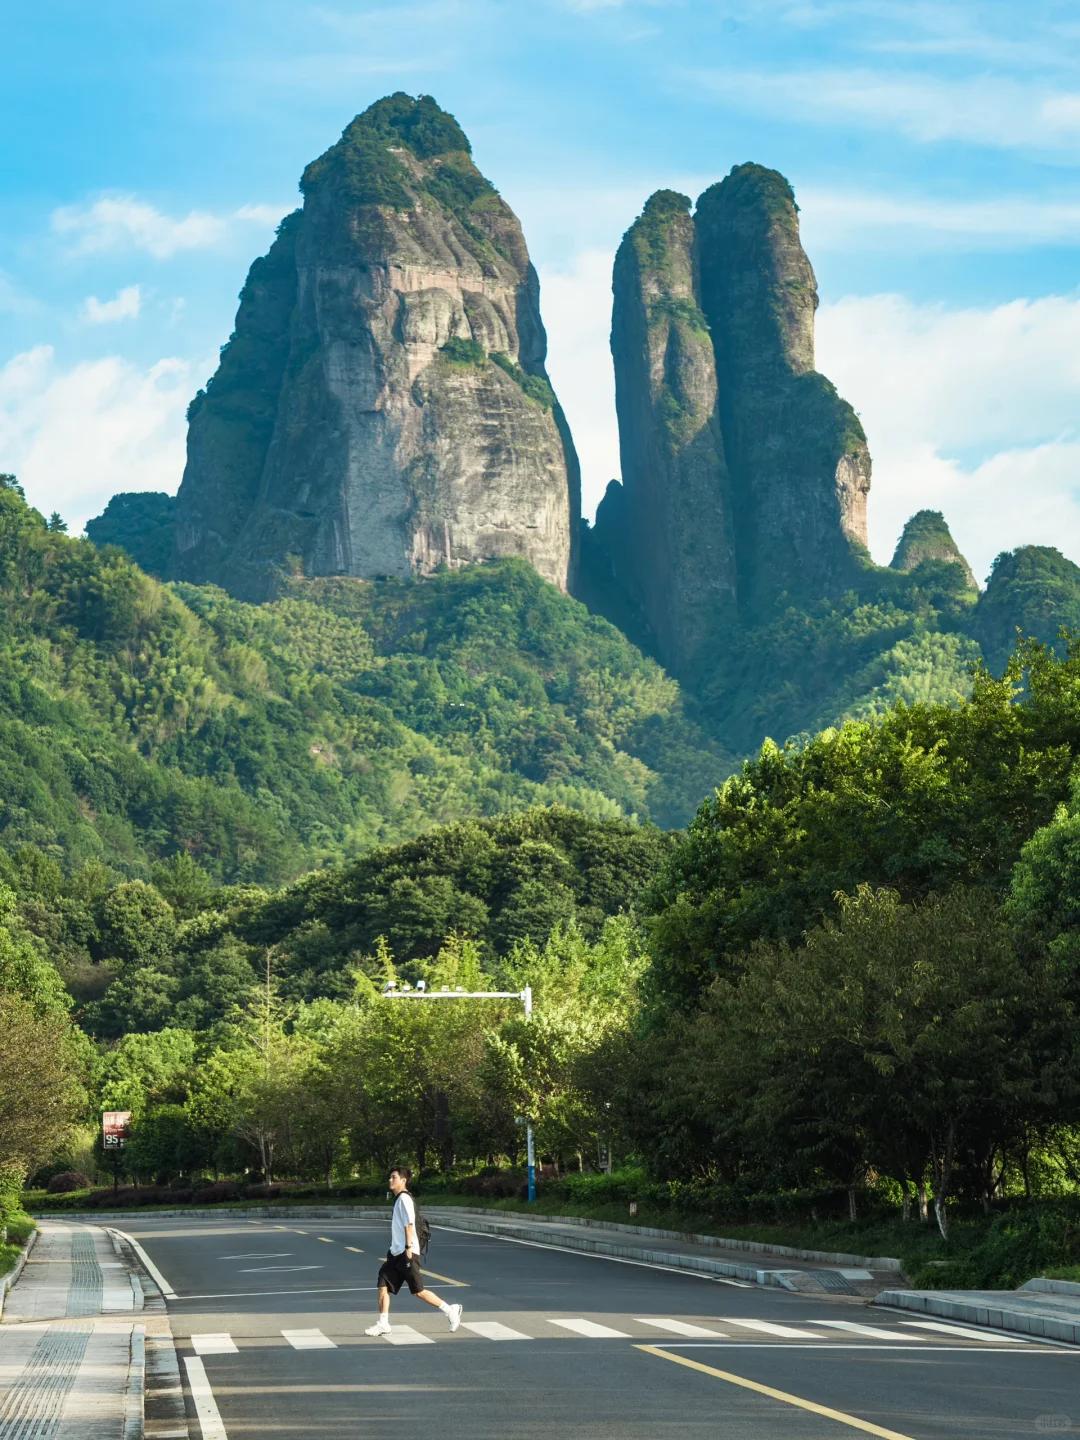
(745, 475)
(677, 547)
(383, 407)
(927, 537)
(798, 456)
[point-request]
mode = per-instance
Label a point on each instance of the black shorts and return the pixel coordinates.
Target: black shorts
(396, 1271)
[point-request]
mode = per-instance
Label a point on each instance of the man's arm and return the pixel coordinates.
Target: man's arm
(410, 1240)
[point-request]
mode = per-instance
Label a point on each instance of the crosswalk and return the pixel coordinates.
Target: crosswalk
(657, 1328)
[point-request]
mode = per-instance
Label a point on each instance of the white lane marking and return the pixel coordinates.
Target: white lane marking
(993, 1337)
(154, 1273)
(308, 1340)
(210, 1422)
(216, 1344)
(262, 1269)
(874, 1331)
(681, 1327)
(492, 1330)
(355, 1249)
(406, 1335)
(766, 1327)
(325, 1239)
(592, 1255)
(591, 1329)
(259, 1255)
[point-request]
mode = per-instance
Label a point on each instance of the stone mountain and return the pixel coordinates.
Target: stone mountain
(382, 407)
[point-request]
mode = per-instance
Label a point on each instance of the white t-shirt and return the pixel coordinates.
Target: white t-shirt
(404, 1214)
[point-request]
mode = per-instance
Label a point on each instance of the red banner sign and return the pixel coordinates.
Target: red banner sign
(115, 1128)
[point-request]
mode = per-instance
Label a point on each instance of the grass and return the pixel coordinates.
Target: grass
(19, 1229)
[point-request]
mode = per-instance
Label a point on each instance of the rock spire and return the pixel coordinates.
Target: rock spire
(382, 407)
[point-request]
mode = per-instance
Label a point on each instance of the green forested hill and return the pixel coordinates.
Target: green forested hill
(139, 720)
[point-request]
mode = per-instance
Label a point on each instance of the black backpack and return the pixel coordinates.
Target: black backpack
(421, 1226)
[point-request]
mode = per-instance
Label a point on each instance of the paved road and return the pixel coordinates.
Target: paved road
(269, 1321)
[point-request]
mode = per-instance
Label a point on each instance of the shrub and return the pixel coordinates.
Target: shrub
(219, 1191)
(261, 1192)
(68, 1180)
(464, 352)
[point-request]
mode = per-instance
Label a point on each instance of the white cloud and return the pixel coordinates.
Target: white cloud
(982, 110)
(125, 305)
(855, 220)
(123, 222)
(576, 305)
(969, 411)
(77, 436)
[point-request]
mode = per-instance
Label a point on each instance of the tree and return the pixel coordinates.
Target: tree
(42, 1066)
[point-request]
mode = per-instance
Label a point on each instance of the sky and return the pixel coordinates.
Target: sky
(934, 149)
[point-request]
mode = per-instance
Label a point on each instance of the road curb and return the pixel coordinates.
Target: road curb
(8, 1280)
(992, 1317)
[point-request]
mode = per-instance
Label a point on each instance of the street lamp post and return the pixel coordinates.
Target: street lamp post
(392, 991)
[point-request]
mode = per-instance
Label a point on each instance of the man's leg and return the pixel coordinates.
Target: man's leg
(452, 1312)
(382, 1324)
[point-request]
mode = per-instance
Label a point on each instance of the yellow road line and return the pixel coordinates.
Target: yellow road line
(851, 1420)
(446, 1279)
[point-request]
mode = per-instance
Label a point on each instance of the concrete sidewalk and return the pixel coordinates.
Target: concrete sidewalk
(1046, 1309)
(73, 1340)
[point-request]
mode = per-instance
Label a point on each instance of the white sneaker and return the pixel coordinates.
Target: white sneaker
(381, 1327)
(453, 1314)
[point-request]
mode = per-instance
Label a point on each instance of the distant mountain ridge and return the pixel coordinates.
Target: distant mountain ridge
(382, 410)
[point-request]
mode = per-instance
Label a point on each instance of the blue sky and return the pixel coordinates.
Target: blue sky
(934, 149)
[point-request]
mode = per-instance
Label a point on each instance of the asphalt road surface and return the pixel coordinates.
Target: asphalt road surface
(269, 1321)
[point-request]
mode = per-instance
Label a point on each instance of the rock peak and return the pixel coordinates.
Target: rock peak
(927, 537)
(382, 407)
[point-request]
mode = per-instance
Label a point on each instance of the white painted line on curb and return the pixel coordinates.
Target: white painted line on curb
(595, 1255)
(591, 1330)
(152, 1270)
(210, 1422)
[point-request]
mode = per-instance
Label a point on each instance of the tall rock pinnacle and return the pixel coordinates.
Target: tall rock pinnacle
(797, 453)
(678, 544)
(927, 537)
(382, 407)
(745, 475)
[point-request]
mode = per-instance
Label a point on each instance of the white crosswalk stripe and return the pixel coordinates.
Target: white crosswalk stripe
(873, 1332)
(766, 1327)
(308, 1340)
(406, 1335)
(682, 1327)
(591, 1330)
(213, 1344)
(492, 1330)
(925, 1331)
(989, 1337)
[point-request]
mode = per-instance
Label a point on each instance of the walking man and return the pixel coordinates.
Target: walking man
(402, 1263)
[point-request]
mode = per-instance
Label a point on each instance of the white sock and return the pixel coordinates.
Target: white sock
(444, 1307)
